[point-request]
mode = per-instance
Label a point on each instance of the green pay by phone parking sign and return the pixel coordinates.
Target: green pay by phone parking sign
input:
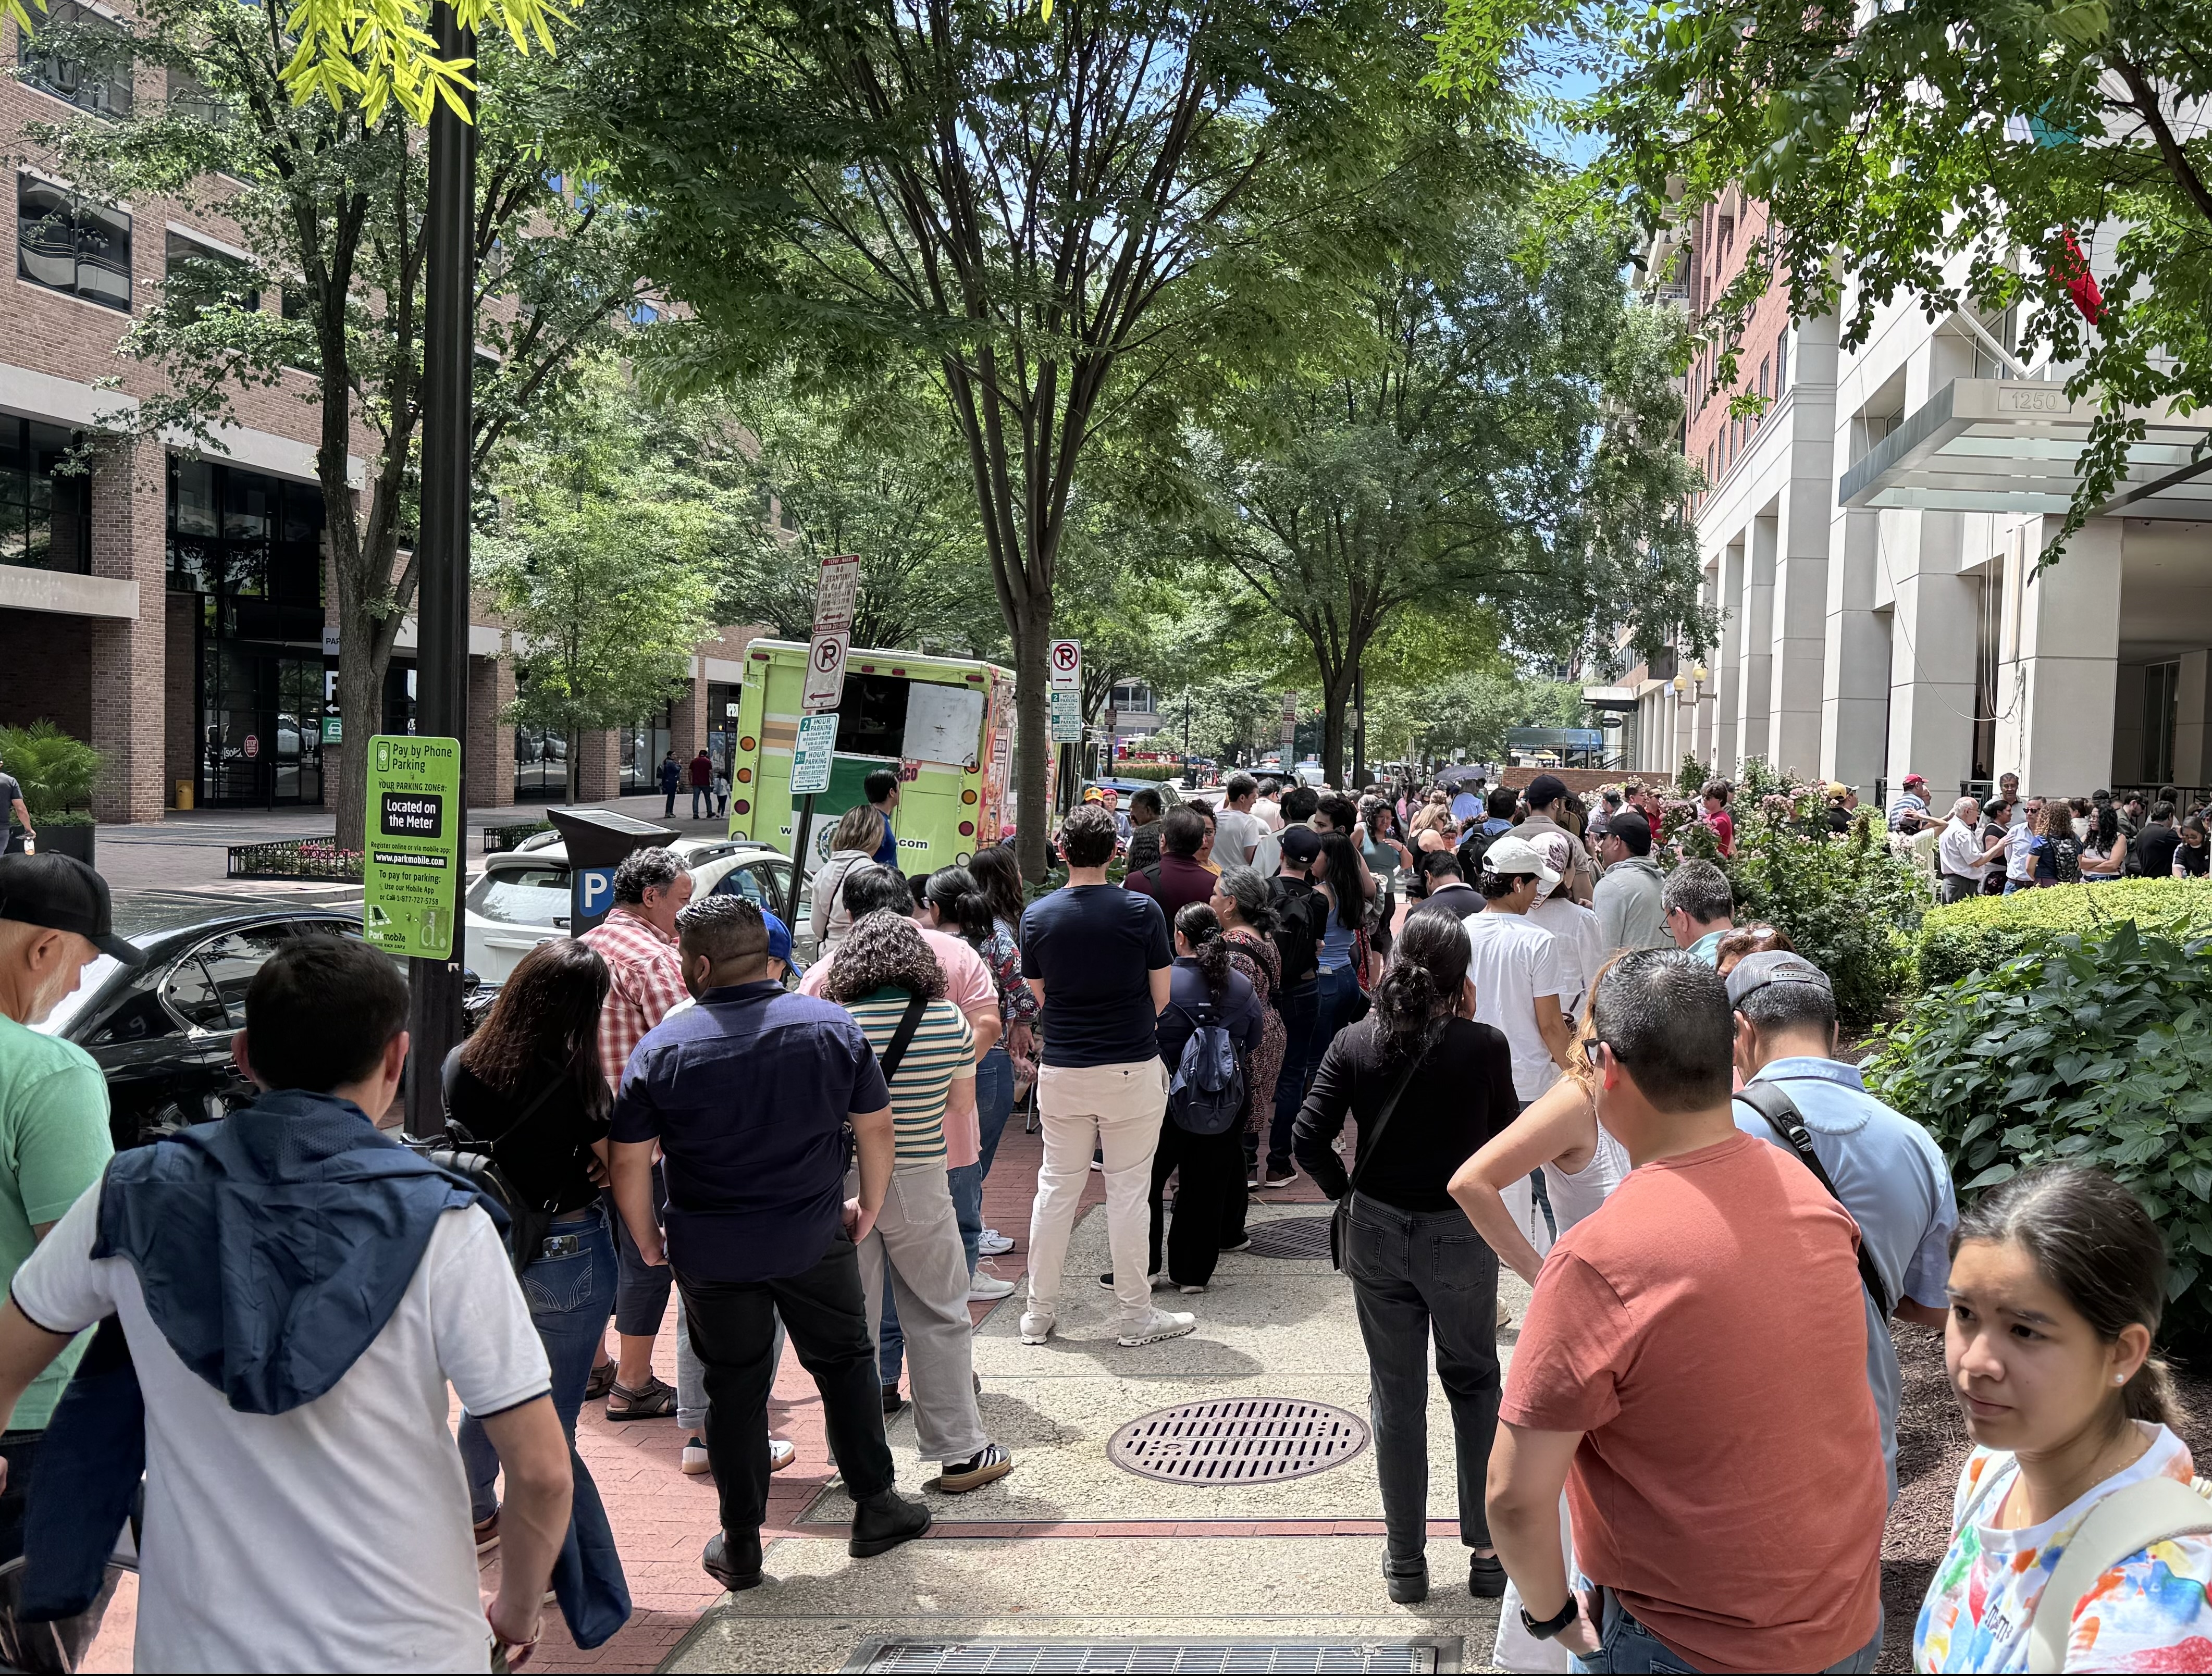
(411, 863)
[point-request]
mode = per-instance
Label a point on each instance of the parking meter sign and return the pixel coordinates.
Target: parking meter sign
(595, 890)
(811, 756)
(411, 869)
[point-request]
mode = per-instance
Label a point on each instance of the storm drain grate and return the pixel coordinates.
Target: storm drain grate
(986, 1657)
(1245, 1440)
(1293, 1237)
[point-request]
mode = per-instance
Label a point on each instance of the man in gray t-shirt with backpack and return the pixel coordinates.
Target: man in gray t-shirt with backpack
(14, 815)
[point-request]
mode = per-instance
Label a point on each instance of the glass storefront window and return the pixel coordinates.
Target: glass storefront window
(45, 512)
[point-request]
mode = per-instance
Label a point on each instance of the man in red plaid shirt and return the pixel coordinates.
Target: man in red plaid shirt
(637, 940)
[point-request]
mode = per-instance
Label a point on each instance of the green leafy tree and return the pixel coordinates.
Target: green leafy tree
(329, 201)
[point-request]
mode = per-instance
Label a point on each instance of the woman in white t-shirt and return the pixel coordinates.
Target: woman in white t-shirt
(2057, 1282)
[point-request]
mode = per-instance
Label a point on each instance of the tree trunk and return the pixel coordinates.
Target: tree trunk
(1335, 688)
(1033, 708)
(575, 764)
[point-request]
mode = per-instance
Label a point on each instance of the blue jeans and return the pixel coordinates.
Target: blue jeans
(1298, 1005)
(1625, 1647)
(994, 1103)
(890, 1342)
(699, 795)
(570, 1295)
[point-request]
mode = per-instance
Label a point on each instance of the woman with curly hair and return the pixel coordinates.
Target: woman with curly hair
(886, 977)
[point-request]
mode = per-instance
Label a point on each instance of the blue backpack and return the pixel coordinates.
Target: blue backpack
(1206, 1095)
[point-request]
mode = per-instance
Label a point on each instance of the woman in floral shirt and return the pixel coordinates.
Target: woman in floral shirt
(2057, 1281)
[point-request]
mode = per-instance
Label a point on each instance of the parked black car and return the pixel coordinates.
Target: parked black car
(160, 1033)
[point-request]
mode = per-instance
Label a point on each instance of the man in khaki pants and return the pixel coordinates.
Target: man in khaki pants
(1099, 959)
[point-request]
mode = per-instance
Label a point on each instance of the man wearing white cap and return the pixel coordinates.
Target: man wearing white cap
(1516, 968)
(1579, 938)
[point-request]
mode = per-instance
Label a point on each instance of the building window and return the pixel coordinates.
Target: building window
(253, 544)
(643, 314)
(65, 244)
(2161, 696)
(1782, 364)
(202, 277)
(45, 514)
(104, 89)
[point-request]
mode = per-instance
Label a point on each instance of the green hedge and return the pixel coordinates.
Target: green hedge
(1981, 934)
(1146, 771)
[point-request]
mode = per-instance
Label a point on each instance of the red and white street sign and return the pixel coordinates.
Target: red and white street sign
(836, 591)
(1064, 662)
(825, 670)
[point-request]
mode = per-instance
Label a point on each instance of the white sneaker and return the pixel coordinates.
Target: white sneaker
(1037, 1326)
(993, 1243)
(696, 1462)
(1160, 1324)
(988, 1288)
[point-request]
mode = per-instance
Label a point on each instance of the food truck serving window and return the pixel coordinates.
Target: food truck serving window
(890, 715)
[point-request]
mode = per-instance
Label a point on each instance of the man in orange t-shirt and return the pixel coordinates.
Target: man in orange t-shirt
(1692, 1370)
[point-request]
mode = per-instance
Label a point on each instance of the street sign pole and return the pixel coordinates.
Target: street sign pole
(433, 1001)
(836, 590)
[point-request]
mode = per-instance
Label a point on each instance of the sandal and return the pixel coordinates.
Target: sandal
(601, 1382)
(655, 1399)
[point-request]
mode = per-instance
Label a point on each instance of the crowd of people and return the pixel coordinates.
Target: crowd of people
(2012, 843)
(1482, 1019)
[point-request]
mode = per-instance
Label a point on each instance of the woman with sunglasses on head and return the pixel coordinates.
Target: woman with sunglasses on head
(2059, 1280)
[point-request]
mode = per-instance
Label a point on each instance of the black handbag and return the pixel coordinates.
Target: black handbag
(1371, 1140)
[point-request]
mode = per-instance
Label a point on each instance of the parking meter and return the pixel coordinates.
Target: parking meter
(597, 839)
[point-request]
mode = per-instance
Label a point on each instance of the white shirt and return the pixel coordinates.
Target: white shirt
(1268, 813)
(1578, 940)
(335, 1537)
(2019, 853)
(1960, 851)
(1237, 836)
(1514, 963)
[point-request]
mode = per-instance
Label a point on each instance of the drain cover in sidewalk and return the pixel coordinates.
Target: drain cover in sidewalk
(989, 1657)
(1292, 1236)
(1240, 1439)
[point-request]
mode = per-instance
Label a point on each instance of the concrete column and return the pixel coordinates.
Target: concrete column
(2192, 727)
(1932, 647)
(2127, 726)
(490, 752)
(128, 674)
(1799, 607)
(1854, 656)
(1755, 683)
(1728, 667)
(2070, 650)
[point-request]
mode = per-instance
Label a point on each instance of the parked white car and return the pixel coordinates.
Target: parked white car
(521, 898)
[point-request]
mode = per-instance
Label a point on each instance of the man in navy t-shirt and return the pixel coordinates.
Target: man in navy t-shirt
(1098, 958)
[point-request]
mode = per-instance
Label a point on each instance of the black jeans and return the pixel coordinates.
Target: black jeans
(1210, 1190)
(732, 1326)
(1413, 1272)
(1299, 1004)
(19, 1449)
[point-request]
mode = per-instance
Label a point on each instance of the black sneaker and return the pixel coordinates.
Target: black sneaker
(733, 1562)
(1159, 1282)
(1408, 1580)
(883, 1522)
(1486, 1578)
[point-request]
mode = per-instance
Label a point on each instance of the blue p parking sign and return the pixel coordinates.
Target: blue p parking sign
(592, 893)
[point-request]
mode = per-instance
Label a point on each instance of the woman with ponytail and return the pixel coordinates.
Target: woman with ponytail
(1204, 988)
(1247, 912)
(2057, 1283)
(1428, 1086)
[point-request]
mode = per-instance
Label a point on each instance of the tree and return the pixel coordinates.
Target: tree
(1057, 214)
(1964, 151)
(1497, 430)
(329, 205)
(598, 559)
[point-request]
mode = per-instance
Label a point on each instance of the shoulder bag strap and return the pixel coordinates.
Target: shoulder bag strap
(903, 1037)
(1371, 1136)
(530, 1110)
(2125, 1522)
(1772, 1102)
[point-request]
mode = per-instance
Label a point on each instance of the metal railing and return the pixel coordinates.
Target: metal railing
(295, 857)
(499, 838)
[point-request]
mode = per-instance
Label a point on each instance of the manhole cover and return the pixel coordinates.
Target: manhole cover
(1293, 1237)
(990, 1656)
(1244, 1439)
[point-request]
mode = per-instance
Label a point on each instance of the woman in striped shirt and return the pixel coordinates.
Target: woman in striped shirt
(886, 977)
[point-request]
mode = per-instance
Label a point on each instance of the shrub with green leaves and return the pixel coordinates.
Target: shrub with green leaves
(2094, 1049)
(57, 771)
(1983, 932)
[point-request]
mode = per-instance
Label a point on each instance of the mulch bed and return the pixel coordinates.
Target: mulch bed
(1932, 1446)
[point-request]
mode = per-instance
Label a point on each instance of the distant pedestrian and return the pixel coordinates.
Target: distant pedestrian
(2022, 841)
(2190, 855)
(1427, 1086)
(1301, 921)
(1448, 894)
(1176, 877)
(1961, 857)
(881, 788)
(1577, 937)
(1267, 806)
(2059, 1280)
(702, 785)
(1715, 797)
(1237, 830)
(1099, 959)
(1700, 906)
(1908, 810)
(1631, 914)
(749, 1097)
(1247, 912)
(1548, 799)
(637, 940)
(2156, 844)
(297, 1291)
(671, 782)
(722, 789)
(1144, 829)
(16, 826)
(1691, 1511)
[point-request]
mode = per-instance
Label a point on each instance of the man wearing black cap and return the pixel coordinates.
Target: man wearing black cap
(1546, 792)
(54, 922)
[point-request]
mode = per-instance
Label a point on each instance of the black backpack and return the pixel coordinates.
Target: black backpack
(1205, 1096)
(1472, 848)
(1301, 921)
(477, 1161)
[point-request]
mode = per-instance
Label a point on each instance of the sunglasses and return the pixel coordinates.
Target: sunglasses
(1593, 1050)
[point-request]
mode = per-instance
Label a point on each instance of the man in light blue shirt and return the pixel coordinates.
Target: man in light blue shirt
(1701, 907)
(1886, 1169)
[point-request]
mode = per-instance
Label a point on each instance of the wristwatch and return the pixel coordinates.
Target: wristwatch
(1544, 1628)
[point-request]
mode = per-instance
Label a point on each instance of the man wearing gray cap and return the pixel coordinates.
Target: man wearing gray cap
(1878, 1164)
(54, 922)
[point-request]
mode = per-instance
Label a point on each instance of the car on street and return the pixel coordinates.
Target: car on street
(521, 897)
(1126, 789)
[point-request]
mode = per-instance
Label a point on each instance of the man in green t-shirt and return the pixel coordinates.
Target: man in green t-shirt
(54, 922)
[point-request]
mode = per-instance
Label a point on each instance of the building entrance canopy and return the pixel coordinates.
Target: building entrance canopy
(2010, 445)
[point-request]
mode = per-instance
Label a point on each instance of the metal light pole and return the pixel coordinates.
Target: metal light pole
(433, 1011)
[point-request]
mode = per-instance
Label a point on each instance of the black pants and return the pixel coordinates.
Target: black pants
(1209, 1192)
(732, 1325)
(1956, 887)
(19, 1449)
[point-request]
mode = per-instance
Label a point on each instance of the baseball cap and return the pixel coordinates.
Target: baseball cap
(1916, 780)
(779, 938)
(1543, 789)
(1772, 966)
(1301, 843)
(62, 894)
(1509, 854)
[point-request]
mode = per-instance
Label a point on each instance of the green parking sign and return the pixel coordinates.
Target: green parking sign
(411, 864)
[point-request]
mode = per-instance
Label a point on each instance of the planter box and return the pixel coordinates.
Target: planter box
(77, 841)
